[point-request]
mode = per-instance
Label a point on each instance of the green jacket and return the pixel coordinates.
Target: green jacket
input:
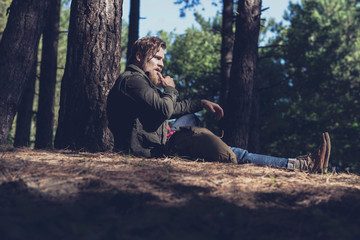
(138, 113)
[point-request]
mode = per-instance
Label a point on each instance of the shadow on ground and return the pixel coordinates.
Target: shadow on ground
(112, 214)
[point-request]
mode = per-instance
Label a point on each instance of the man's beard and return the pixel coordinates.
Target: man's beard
(154, 77)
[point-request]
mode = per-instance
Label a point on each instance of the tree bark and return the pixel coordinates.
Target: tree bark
(243, 73)
(25, 111)
(227, 40)
(254, 135)
(17, 55)
(92, 67)
(45, 113)
(133, 33)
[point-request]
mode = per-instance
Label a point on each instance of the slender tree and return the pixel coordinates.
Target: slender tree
(133, 31)
(18, 49)
(227, 41)
(92, 66)
(25, 111)
(254, 131)
(45, 113)
(243, 73)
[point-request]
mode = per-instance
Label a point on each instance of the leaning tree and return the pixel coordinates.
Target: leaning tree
(18, 49)
(92, 66)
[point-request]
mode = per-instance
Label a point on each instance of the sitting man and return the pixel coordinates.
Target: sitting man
(138, 113)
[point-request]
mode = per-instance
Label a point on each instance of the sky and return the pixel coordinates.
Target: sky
(165, 15)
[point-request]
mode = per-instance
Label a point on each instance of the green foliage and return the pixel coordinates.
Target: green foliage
(194, 60)
(312, 84)
(62, 51)
(63, 35)
(191, 4)
(188, 4)
(4, 5)
(124, 43)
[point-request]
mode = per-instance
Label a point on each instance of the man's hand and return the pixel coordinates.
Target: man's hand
(167, 81)
(213, 108)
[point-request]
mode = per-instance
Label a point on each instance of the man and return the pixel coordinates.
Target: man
(138, 111)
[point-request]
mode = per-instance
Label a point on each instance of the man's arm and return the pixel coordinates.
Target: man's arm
(161, 105)
(186, 106)
(213, 108)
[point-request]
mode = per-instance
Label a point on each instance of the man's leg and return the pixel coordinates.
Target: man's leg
(243, 156)
(313, 162)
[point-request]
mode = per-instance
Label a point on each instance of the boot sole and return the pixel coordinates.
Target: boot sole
(321, 154)
(327, 154)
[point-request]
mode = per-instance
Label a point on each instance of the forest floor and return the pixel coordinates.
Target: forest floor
(65, 194)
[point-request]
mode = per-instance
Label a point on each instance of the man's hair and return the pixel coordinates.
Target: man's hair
(147, 47)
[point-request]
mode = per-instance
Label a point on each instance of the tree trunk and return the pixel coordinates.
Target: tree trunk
(133, 33)
(254, 135)
(227, 40)
(25, 111)
(17, 55)
(243, 73)
(92, 67)
(45, 113)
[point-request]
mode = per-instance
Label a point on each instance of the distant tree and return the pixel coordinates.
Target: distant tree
(45, 113)
(133, 30)
(243, 74)
(92, 66)
(18, 49)
(25, 111)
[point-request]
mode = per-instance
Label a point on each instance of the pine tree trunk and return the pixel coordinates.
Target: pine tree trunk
(92, 67)
(133, 33)
(254, 135)
(45, 113)
(227, 40)
(18, 49)
(25, 112)
(243, 73)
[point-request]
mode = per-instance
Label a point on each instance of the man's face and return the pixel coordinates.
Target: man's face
(154, 66)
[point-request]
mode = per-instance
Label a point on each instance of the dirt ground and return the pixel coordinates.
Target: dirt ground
(79, 195)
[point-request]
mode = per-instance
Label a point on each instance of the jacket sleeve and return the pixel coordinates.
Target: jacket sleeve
(186, 106)
(161, 104)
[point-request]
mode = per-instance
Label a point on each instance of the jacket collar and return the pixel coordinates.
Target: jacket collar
(134, 68)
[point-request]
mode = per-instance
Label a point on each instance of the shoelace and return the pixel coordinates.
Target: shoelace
(304, 161)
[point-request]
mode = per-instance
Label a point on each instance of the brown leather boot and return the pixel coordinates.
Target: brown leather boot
(313, 162)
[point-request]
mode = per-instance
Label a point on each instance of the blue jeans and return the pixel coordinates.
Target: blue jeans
(242, 155)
